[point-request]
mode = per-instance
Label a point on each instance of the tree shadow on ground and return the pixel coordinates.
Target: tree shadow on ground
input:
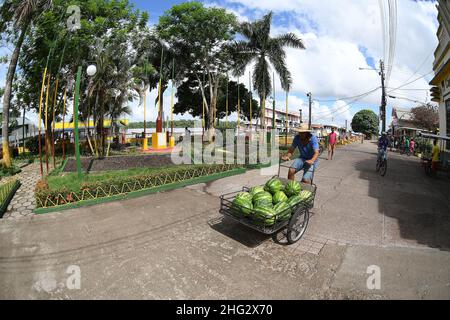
(416, 207)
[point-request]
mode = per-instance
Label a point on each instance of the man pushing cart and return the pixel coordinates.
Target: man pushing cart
(308, 145)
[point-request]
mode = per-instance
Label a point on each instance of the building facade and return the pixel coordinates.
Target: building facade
(280, 119)
(440, 91)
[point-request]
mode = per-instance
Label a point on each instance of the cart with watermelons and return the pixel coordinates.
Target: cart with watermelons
(270, 208)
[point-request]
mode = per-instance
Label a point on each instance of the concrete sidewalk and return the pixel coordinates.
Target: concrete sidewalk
(175, 245)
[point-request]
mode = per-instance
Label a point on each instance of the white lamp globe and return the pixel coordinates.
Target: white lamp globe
(91, 70)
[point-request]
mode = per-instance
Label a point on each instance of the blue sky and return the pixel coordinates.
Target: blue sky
(340, 37)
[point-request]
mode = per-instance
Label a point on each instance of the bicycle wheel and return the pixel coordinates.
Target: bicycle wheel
(378, 165)
(383, 168)
(297, 225)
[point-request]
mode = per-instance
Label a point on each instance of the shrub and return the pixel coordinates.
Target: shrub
(11, 171)
(32, 144)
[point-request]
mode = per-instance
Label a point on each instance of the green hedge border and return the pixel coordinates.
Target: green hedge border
(12, 192)
(135, 194)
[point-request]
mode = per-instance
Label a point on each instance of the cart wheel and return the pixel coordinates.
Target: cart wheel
(297, 225)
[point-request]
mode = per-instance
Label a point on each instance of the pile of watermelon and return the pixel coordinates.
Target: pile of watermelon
(271, 203)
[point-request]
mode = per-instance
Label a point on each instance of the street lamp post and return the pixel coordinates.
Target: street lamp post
(91, 71)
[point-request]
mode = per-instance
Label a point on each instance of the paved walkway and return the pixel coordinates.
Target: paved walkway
(23, 203)
(175, 245)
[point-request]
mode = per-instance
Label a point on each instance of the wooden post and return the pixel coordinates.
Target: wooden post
(40, 120)
(46, 121)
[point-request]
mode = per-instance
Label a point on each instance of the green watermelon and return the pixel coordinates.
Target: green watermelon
(274, 185)
(279, 196)
(245, 195)
(305, 195)
(283, 211)
(262, 199)
(264, 216)
(255, 190)
(292, 188)
(293, 201)
(241, 205)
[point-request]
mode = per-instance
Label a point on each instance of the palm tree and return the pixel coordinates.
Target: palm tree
(259, 47)
(21, 14)
(117, 110)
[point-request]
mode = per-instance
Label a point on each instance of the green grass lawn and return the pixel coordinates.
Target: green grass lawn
(71, 181)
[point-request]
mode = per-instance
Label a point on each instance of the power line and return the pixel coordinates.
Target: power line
(411, 89)
(383, 25)
(404, 85)
(356, 98)
(347, 98)
(421, 65)
(333, 114)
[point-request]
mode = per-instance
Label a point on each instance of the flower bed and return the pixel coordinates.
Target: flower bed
(7, 192)
(48, 198)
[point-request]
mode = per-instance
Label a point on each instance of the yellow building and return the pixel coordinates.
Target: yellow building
(91, 125)
(440, 91)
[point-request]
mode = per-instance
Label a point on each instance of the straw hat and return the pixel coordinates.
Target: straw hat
(302, 128)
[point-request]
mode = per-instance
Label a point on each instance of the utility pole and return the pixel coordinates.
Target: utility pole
(383, 98)
(301, 120)
(309, 95)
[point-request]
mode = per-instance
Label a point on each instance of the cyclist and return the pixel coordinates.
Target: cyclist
(383, 144)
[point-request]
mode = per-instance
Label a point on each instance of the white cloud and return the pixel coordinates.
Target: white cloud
(334, 31)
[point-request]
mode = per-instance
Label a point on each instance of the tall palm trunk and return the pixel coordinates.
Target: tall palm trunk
(7, 96)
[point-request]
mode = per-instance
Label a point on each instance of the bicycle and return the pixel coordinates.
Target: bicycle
(382, 162)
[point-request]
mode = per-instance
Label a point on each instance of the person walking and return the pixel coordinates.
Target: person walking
(435, 157)
(332, 140)
(412, 145)
(407, 145)
(308, 145)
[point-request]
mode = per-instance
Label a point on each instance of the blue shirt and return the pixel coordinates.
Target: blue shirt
(383, 143)
(306, 151)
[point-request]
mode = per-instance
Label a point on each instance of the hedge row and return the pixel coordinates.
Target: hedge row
(45, 197)
(7, 192)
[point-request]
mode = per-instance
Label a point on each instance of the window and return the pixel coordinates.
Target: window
(447, 107)
(447, 111)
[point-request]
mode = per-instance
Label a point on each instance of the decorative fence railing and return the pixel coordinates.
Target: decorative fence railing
(46, 198)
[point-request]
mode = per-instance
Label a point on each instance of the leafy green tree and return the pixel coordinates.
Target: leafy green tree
(426, 116)
(260, 48)
(366, 121)
(108, 37)
(200, 36)
(190, 99)
(16, 16)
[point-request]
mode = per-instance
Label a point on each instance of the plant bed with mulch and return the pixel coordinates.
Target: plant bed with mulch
(118, 163)
(52, 195)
